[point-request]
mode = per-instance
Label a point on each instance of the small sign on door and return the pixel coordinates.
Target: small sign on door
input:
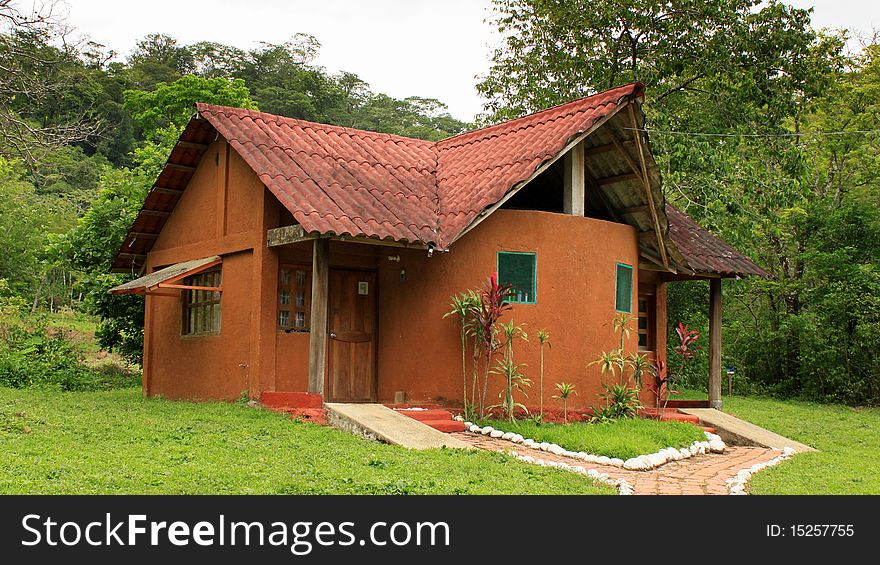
(363, 287)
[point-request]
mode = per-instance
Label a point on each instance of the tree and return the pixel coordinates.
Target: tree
(724, 52)
(158, 58)
(172, 105)
(34, 76)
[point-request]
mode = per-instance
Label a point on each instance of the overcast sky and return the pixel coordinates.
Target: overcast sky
(430, 48)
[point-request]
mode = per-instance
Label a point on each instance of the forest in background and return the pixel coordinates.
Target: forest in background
(765, 129)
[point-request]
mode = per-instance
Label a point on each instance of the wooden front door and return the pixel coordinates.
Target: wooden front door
(352, 357)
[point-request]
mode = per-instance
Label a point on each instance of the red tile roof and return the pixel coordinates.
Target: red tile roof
(338, 180)
(359, 183)
(704, 252)
(343, 181)
(476, 169)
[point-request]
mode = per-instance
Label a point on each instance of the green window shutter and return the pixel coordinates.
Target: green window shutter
(624, 288)
(519, 270)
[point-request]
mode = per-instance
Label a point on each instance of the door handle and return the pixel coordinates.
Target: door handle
(332, 335)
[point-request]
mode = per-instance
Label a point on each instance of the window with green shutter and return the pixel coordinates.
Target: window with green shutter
(520, 271)
(624, 288)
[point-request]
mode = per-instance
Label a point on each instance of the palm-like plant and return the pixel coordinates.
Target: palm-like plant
(565, 391)
(639, 364)
(514, 380)
(463, 306)
(610, 362)
(621, 324)
(543, 339)
(507, 368)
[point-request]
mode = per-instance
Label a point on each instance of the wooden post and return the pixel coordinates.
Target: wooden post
(318, 329)
(715, 343)
(574, 193)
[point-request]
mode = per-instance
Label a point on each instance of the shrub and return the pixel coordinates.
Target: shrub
(621, 402)
(34, 356)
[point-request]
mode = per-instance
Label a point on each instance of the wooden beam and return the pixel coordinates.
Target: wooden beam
(190, 287)
(647, 184)
(166, 190)
(635, 210)
(573, 201)
(296, 234)
(156, 213)
(607, 148)
(179, 167)
(652, 257)
(625, 177)
(375, 241)
(715, 343)
(288, 234)
(192, 145)
(319, 308)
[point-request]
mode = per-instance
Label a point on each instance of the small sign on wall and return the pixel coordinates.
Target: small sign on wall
(363, 287)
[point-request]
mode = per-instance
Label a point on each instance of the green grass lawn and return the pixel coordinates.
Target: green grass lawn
(848, 440)
(623, 438)
(116, 442)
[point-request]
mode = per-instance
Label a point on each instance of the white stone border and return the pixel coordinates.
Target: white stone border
(623, 487)
(640, 463)
(736, 485)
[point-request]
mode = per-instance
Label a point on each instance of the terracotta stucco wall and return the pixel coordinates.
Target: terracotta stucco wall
(576, 260)
(224, 211)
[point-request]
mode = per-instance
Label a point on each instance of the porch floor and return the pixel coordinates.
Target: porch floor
(379, 422)
(739, 432)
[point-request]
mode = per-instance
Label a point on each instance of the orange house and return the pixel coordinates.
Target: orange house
(284, 255)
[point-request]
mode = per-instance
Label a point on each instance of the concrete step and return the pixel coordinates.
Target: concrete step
(740, 432)
(378, 422)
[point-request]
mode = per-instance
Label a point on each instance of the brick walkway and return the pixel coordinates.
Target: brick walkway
(703, 474)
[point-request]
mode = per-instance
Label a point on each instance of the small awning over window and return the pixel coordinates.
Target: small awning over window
(168, 277)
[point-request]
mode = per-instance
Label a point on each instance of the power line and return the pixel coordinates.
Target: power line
(802, 134)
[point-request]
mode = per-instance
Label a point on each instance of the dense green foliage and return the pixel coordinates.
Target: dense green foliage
(767, 134)
(83, 135)
(117, 442)
(847, 439)
(623, 438)
(54, 351)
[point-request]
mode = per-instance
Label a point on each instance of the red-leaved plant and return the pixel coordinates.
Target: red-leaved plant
(688, 339)
(661, 384)
(493, 303)
(662, 381)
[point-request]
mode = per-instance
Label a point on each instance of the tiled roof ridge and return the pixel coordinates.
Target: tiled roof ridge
(443, 146)
(231, 111)
(637, 90)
